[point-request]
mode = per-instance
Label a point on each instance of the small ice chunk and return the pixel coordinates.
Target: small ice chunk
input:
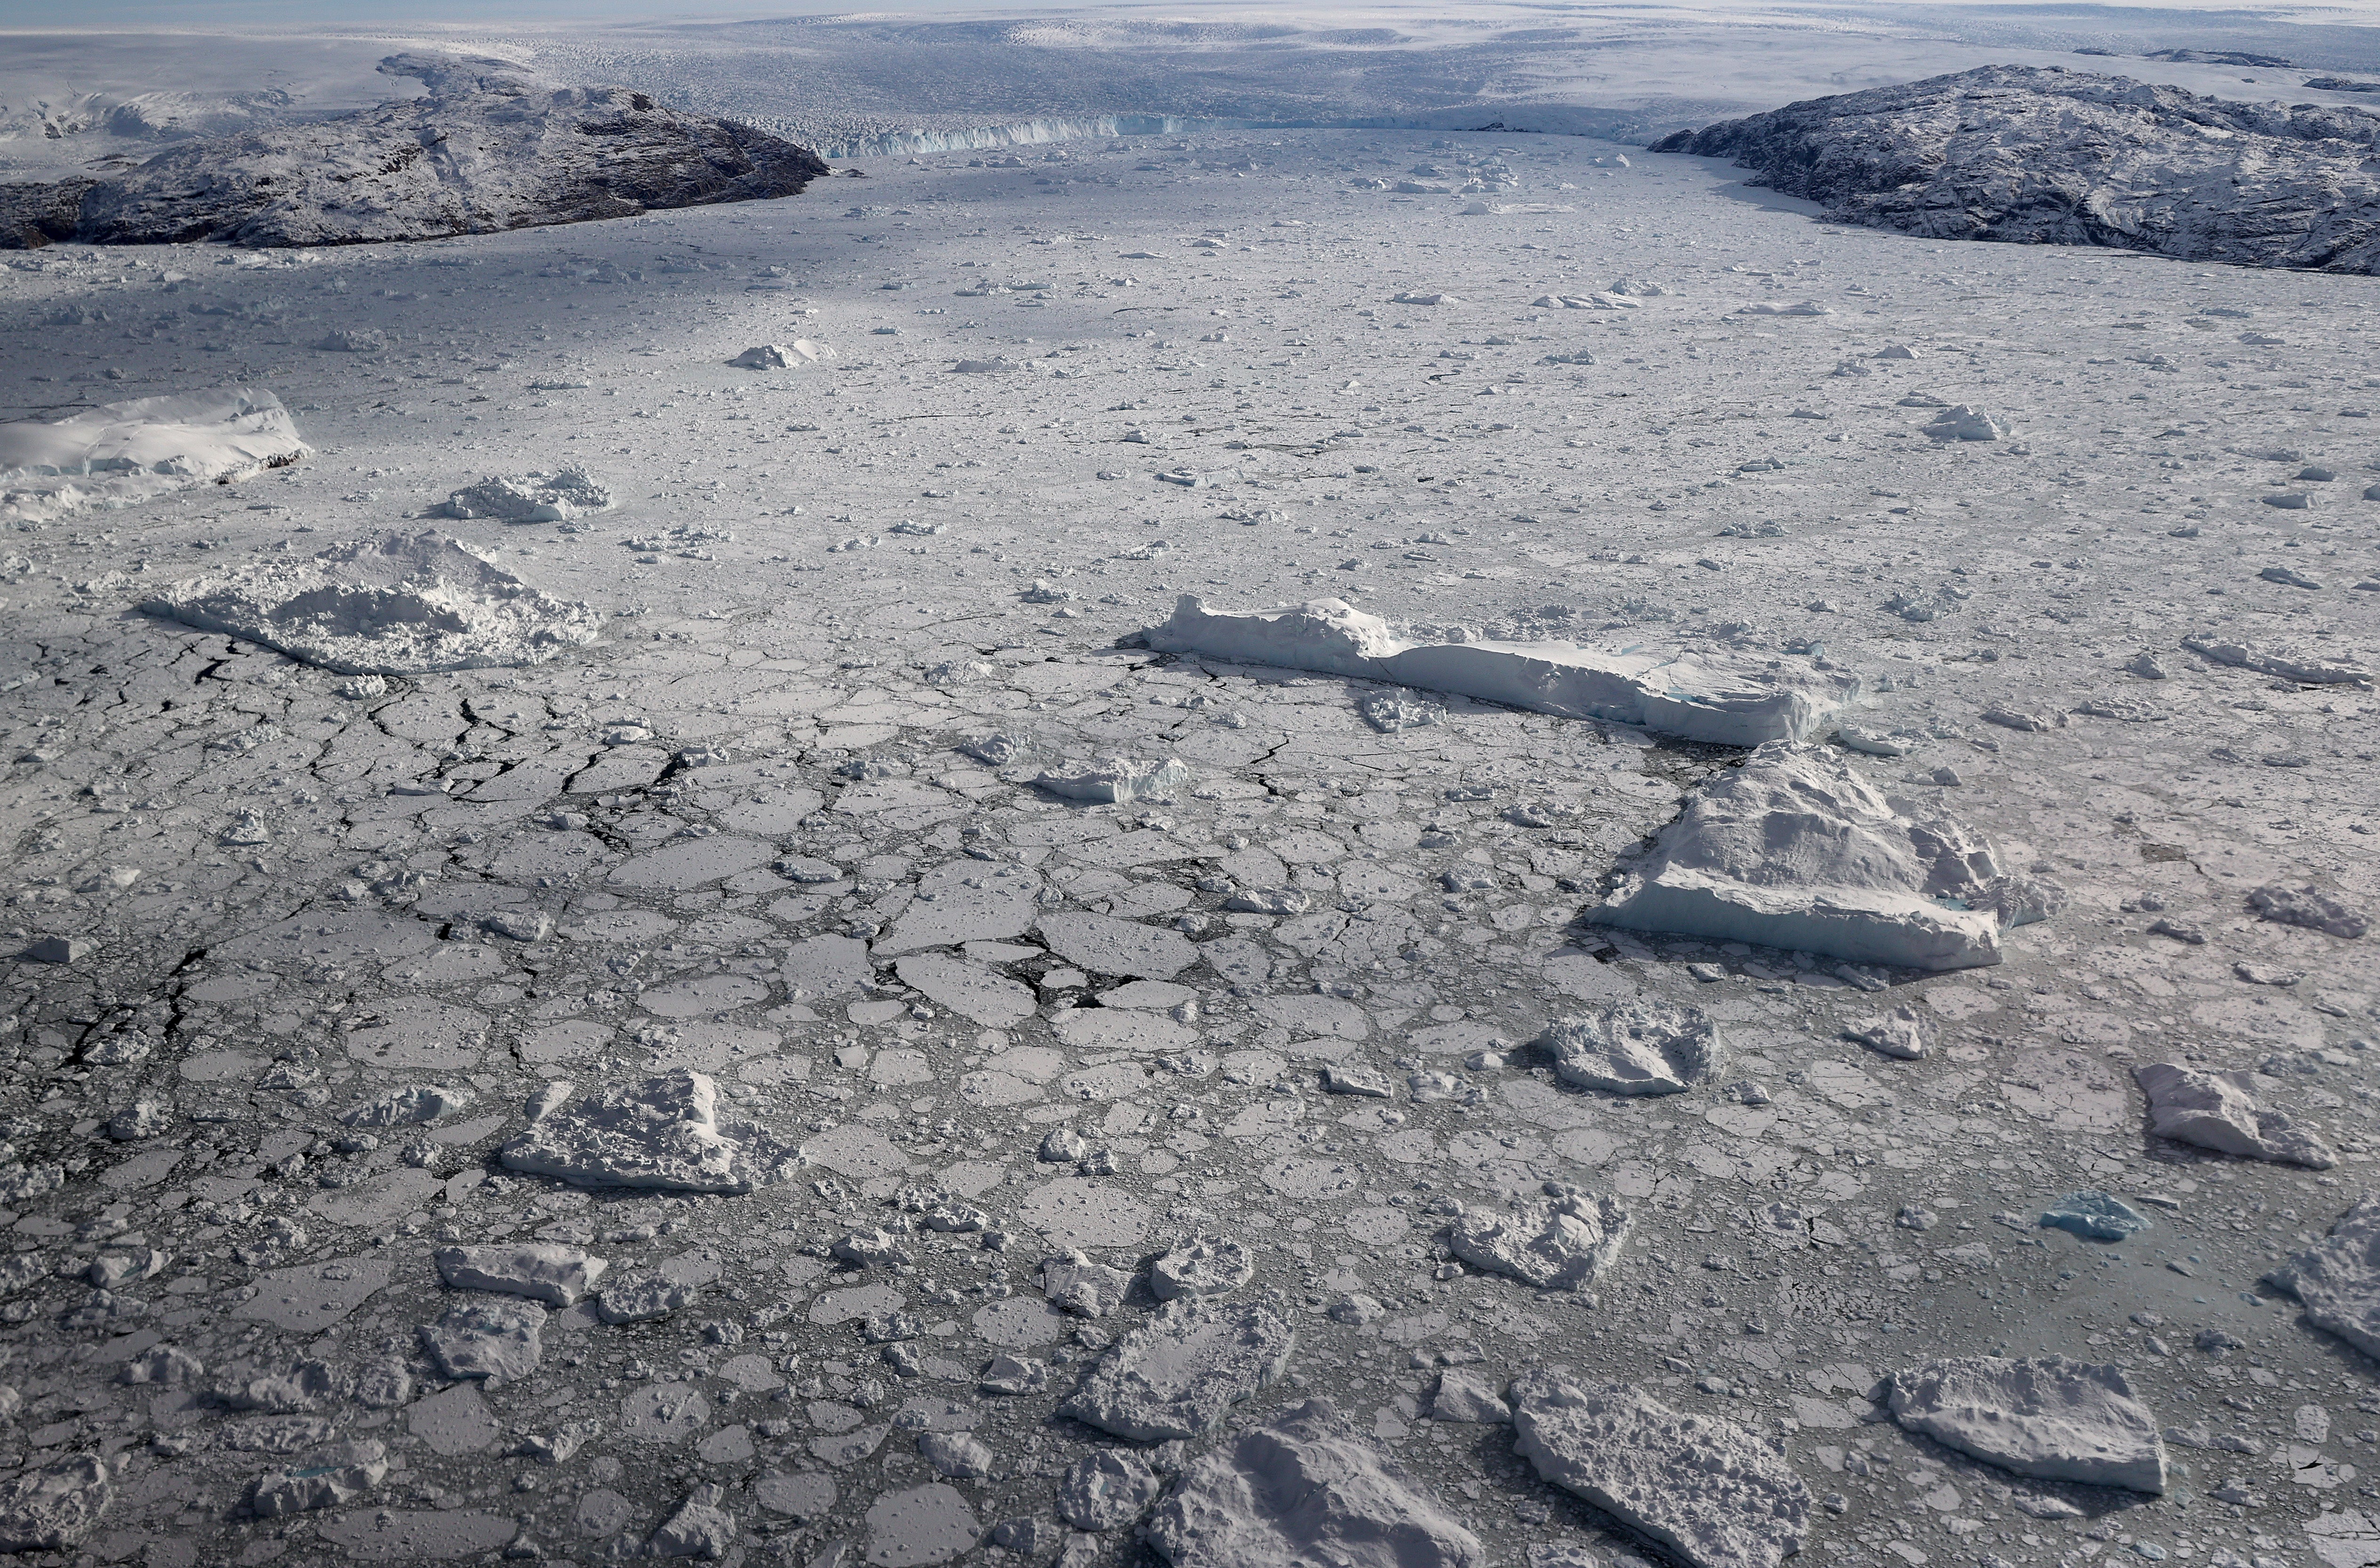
(2215, 1111)
(487, 1339)
(701, 1527)
(542, 1271)
(1119, 781)
(1872, 742)
(1961, 422)
(530, 498)
(2094, 1216)
(1075, 1285)
(1466, 1396)
(2338, 1279)
(1899, 1033)
(642, 1301)
(1105, 1489)
(1367, 1082)
(1208, 1266)
(1305, 1490)
(1636, 1047)
(2051, 1418)
(1176, 1374)
(661, 1132)
(956, 1455)
(782, 356)
(2287, 664)
(1796, 850)
(1014, 1375)
(1713, 1492)
(2309, 907)
(54, 1505)
(333, 1476)
(1561, 1242)
(409, 1106)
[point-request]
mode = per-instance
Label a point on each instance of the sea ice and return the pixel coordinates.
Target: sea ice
(530, 498)
(54, 1505)
(2217, 1111)
(1208, 1266)
(544, 1270)
(1464, 1395)
(1960, 422)
(2051, 1418)
(121, 453)
(1795, 849)
(1119, 781)
(2287, 662)
(2309, 907)
(400, 604)
(1105, 1489)
(335, 1475)
(1712, 1491)
(487, 1339)
(1716, 697)
(1561, 1242)
(782, 356)
(1899, 1034)
(2094, 1216)
(2338, 1279)
(1635, 1048)
(1176, 1374)
(1307, 1488)
(661, 1132)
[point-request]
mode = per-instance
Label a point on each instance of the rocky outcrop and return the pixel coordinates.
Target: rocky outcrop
(2040, 155)
(489, 148)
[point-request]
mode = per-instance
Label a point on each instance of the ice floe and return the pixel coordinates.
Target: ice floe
(2047, 1417)
(122, 453)
(555, 497)
(2338, 1279)
(661, 1132)
(1635, 1048)
(2217, 1111)
(1177, 1373)
(1559, 1242)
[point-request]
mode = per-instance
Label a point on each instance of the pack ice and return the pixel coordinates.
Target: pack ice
(2215, 1111)
(2052, 1418)
(398, 605)
(1307, 1488)
(2338, 1279)
(1713, 1492)
(1795, 849)
(121, 453)
(1717, 698)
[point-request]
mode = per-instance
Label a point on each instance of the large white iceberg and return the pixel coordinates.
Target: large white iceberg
(121, 453)
(1795, 849)
(393, 606)
(1722, 699)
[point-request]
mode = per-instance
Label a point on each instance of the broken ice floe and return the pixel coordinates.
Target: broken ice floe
(2217, 1111)
(546, 1271)
(2094, 1216)
(401, 605)
(487, 1339)
(2338, 1279)
(54, 1505)
(1720, 698)
(1559, 1242)
(1177, 1373)
(1208, 1266)
(121, 453)
(1635, 1048)
(2051, 1418)
(1105, 1489)
(1796, 850)
(782, 356)
(2309, 907)
(1713, 1492)
(1899, 1034)
(1119, 781)
(334, 1475)
(2287, 664)
(1307, 1488)
(530, 498)
(1466, 1396)
(661, 1133)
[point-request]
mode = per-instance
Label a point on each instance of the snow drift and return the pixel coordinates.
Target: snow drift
(122, 453)
(401, 605)
(1795, 849)
(1717, 698)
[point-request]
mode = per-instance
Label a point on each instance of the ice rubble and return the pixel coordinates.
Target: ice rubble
(2287, 664)
(2051, 1418)
(121, 453)
(1795, 849)
(530, 498)
(1713, 1492)
(1635, 1048)
(782, 356)
(1177, 1373)
(2338, 1279)
(400, 604)
(1719, 697)
(2217, 1111)
(1307, 1488)
(1105, 1489)
(487, 1339)
(546, 1271)
(661, 1132)
(1208, 1266)
(54, 1505)
(1559, 1242)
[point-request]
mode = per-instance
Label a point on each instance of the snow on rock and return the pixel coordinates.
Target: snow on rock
(1721, 698)
(1175, 1375)
(1208, 1266)
(1713, 1492)
(2338, 1279)
(2041, 155)
(1635, 1048)
(662, 1132)
(54, 1505)
(783, 355)
(1795, 849)
(2217, 1111)
(530, 498)
(1559, 1242)
(400, 604)
(487, 1339)
(1105, 1489)
(1119, 781)
(543, 1271)
(487, 149)
(121, 453)
(1307, 1488)
(2051, 1418)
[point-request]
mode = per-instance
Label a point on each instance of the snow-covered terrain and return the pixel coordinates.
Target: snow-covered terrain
(859, 1029)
